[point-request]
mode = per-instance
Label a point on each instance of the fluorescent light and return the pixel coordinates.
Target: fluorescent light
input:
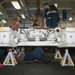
(16, 4)
(0, 13)
(56, 4)
(4, 21)
(22, 15)
(70, 18)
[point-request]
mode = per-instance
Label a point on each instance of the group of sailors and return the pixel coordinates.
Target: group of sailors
(50, 19)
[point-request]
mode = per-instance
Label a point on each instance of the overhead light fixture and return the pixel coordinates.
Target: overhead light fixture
(16, 4)
(4, 21)
(56, 4)
(70, 18)
(0, 13)
(22, 15)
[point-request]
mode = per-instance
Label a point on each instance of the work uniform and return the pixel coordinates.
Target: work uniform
(35, 54)
(2, 50)
(51, 18)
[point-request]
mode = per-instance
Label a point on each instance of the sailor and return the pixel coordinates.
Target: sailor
(14, 22)
(37, 22)
(51, 17)
(36, 54)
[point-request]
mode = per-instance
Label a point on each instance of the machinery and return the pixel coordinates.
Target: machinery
(38, 37)
(47, 37)
(67, 37)
(7, 37)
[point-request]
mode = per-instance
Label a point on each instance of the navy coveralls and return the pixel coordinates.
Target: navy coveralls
(35, 54)
(51, 18)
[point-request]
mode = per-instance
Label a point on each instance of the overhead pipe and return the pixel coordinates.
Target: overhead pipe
(23, 4)
(38, 6)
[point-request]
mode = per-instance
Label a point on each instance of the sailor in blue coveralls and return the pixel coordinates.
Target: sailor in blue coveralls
(51, 17)
(36, 54)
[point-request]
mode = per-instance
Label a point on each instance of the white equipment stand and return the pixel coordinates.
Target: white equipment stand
(66, 60)
(10, 59)
(58, 55)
